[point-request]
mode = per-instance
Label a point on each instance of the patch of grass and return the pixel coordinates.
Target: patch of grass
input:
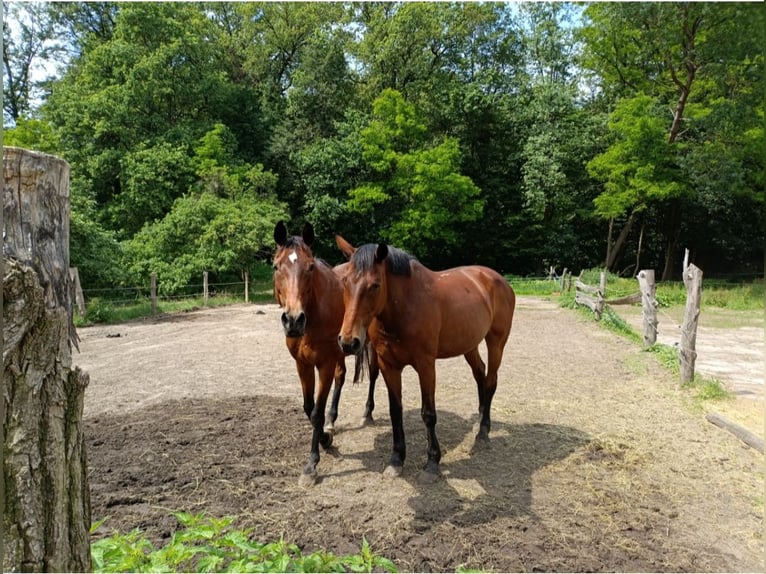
(207, 544)
(613, 322)
(703, 388)
(534, 286)
(667, 356)
(708, 389)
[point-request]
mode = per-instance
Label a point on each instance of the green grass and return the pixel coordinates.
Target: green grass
(102, 311)
(207, 544)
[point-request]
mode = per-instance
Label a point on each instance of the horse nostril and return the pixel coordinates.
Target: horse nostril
(349, 348)
(300, 320)
(285, 319)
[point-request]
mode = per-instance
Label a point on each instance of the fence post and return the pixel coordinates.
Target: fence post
(153, 292)
(600, 296)
(204, 286)
(693, 281)
(648, 305)
(247, 287)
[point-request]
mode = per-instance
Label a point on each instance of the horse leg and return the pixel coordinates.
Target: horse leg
(478, 368)
(340, 377)
(494, 356)
(373, 370)
(316, 416)
(393, 379)
(427, 376)
(306, 375)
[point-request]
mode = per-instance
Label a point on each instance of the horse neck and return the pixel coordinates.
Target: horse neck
(401, 291)
(326, 292)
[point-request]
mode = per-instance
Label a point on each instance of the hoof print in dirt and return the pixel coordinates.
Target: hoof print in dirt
(426, 477)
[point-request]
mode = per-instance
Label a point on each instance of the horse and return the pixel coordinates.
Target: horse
(311, 294)
(413, 316)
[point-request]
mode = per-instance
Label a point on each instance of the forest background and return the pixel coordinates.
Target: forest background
(517, 136)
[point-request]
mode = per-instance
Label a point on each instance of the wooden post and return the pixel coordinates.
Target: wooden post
(563, 280)
(46, 505)
(247, 287)
(600, 296)
(648, 305)
(204, 287)
(693, 281)
(79, 298)
(153, 292)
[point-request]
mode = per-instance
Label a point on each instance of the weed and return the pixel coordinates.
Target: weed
(208, 544)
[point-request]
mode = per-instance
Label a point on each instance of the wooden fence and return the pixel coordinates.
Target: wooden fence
(594, 297)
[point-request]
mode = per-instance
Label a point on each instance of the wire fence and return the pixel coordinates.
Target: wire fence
(126, 296)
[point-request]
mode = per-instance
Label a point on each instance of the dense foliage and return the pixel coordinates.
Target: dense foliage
(514, 135)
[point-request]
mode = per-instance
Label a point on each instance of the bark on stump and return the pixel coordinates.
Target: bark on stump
(46, 506)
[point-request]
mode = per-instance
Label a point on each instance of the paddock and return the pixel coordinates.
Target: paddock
(596, 460)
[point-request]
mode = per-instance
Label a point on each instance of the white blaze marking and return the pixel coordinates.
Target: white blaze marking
(293, 257)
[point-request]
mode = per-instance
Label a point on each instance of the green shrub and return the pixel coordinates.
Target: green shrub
(207, 544)
(99, 311)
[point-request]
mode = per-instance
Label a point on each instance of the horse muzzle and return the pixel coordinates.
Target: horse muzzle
(294, 325)
(350, 346)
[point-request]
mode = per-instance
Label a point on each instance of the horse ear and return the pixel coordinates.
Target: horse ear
(381, 252)
(280, 233)
(308, 234)
(345, 247)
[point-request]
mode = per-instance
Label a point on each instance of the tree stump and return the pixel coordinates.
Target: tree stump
(46, 516)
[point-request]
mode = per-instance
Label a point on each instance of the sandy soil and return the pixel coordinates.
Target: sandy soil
(597, 462)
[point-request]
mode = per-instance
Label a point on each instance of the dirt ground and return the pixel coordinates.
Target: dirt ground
(597, 461)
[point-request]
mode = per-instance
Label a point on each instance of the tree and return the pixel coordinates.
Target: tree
(29, 43)
(417, 195)
(638, 168)
(685, 57)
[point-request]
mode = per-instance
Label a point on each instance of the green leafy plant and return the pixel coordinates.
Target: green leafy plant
(208, 544)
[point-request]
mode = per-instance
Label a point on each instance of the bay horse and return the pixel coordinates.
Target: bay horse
(311, 294)
(413, 316)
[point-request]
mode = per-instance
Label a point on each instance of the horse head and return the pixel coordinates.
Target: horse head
(293, 270)
(364, 291)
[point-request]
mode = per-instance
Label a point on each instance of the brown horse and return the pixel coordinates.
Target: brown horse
(311, 293)
(414, 316)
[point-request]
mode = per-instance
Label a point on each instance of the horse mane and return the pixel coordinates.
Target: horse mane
(398, 261)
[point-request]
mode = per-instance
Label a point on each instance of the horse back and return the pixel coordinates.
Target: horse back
(475, 302)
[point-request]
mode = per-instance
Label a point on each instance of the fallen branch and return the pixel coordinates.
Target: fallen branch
(749, 438)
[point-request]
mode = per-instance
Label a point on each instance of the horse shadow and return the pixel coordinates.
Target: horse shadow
(479, 481)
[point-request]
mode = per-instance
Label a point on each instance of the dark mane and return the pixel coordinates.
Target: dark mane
(295, 241)
(398, 261)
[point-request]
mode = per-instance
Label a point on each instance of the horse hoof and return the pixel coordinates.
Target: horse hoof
(308, 480)
(326, 441)
(330, 428)
(392, 471)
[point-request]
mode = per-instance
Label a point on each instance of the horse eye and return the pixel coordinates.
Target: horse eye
(276, 267)
(375, 286)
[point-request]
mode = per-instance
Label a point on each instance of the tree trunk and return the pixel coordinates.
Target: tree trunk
(46, 516)
(615, 249)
